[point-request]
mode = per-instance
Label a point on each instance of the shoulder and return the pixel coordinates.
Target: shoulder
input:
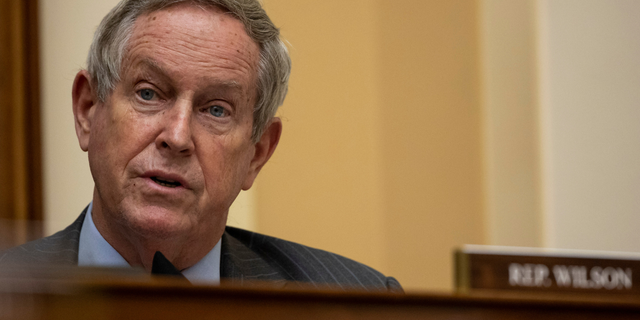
(305, 264)
(60, 248)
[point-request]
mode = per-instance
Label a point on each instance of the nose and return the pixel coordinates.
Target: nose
(176, 137)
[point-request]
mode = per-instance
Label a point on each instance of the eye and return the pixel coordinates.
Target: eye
(147, 94)
(217, 111)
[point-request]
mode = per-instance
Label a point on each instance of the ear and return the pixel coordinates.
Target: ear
(84, 103)
(263, 151)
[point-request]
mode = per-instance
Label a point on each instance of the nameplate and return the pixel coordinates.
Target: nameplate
(530, 269)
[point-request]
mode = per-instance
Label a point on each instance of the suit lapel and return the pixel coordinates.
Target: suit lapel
(241, 265)
(58, 249)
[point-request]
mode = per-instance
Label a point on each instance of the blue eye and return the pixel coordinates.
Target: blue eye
(147, 94)
(217, 111)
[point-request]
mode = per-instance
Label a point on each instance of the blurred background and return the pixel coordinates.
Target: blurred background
(411, 127)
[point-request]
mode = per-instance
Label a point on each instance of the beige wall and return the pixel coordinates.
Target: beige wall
(414, 126)
(381, 153)
(432, 144)
(323, 182)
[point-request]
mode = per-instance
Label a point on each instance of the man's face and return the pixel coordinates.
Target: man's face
(171, 147)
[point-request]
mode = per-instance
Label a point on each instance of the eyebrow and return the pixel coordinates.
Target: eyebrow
(148, 63)
(152, 64)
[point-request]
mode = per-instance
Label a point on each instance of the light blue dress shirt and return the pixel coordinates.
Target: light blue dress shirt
(94, 250)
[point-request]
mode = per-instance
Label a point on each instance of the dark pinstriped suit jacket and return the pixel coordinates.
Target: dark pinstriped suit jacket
(245, 257)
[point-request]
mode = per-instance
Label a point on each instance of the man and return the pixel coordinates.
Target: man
(176, 111)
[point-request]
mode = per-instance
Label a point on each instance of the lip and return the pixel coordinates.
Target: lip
(166, 176)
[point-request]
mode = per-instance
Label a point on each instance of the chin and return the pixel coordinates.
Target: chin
(157, 222)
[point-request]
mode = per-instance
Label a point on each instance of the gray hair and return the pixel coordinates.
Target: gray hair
(111, 37)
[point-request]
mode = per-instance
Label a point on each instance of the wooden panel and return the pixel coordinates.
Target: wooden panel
(20, 160)
(6, 100)
(33, 161)
(157, 299)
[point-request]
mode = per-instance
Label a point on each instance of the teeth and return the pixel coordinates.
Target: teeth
(165, 182)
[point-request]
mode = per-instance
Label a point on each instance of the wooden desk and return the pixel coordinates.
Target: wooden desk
(159, 299)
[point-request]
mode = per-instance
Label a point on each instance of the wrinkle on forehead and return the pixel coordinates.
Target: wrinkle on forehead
(189, 33)
(185, 44)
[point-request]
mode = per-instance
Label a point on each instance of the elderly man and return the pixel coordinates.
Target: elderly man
(176, 111)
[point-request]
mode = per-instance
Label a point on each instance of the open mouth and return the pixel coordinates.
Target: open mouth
(166, 182)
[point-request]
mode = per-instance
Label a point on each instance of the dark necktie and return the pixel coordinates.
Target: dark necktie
(163, 266)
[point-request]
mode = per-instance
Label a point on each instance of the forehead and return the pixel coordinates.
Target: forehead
(205, 40)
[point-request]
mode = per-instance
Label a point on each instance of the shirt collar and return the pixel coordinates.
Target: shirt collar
(94, 250)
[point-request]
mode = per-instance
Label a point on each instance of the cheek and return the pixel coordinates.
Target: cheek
(116, 140)
(225, 165)
(102, 158)
(101, 136)
(129, 132)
